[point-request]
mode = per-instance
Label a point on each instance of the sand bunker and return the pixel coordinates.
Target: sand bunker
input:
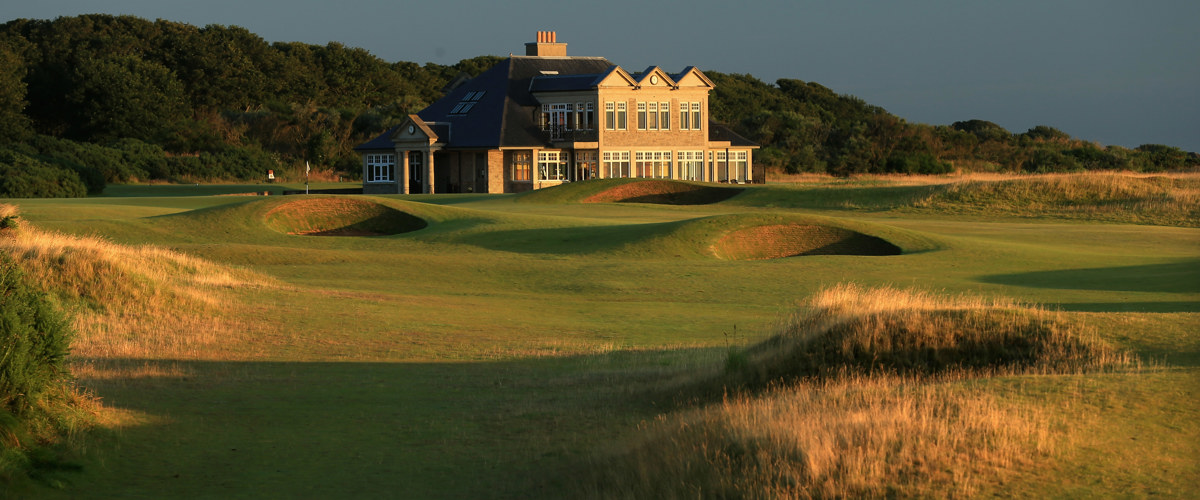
(340, 217)
(664, 193)
(789, 240)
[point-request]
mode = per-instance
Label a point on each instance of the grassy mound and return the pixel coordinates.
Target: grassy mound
(862, 400)
(788, 240)
(767, 236)
(632, 191)
(664, 193)
(130, 302)
(340, 216)
(848, 330)
(1113, 197)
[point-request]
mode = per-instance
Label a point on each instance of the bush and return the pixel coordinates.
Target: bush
(916, 163)
(34, 340)
(23, 176)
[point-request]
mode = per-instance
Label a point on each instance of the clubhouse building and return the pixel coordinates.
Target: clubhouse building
(546, 118)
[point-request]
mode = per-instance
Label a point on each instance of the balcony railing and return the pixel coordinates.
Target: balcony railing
(559, 133)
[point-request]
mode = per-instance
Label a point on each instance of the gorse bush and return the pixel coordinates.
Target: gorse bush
(34, 340)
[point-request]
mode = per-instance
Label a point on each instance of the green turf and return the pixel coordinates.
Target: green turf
(473, 357)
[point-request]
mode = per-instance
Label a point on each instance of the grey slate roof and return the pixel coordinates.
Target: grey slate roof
(506, 114)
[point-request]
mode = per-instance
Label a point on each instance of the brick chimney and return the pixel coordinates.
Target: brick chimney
(546, 45)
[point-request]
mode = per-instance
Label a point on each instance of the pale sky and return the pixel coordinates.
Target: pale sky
(1124, 73)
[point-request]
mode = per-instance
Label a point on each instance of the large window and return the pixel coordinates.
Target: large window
(695, 116)
(586, 166)
(614, 115)
(556, 116)
(719, 166)
(735, 168)
(552, 166)
(381, 168)
(616, 164)
(653, 164)
(691, 165)
(585, 116)
(641, 115)
(664, 116)
(738, 166)
(522, 166)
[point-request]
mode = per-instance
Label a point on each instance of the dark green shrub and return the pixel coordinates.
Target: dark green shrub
(916, 163)
(34, 341)
(1048, 161)
(23, 176)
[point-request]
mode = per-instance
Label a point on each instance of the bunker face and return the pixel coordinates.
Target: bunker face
(789, 240)
(340, 217)
(664, 193)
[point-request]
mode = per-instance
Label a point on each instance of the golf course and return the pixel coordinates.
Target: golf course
(1023, 335)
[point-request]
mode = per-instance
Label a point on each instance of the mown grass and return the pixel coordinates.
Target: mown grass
(494, 351)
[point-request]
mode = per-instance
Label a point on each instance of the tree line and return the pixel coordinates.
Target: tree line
(97, 99)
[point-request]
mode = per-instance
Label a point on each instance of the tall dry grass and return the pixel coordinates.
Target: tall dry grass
(877, 436)
(847, 328)
(133, 302)
(862, 393)
(1109, 196)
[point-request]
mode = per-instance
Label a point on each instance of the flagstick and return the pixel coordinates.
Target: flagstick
(306, 169)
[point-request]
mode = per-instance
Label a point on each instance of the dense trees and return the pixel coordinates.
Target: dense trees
(128, 99)
(805, 127)
(215, 102)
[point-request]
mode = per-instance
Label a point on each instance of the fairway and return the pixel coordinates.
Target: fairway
(472, 346)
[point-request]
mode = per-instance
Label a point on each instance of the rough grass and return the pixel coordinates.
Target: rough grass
(132, 302)
(860, 395)
(848, 329)
(1114, 197)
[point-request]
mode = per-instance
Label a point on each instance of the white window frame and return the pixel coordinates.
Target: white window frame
(696, 124)
(616, 164)
(381, 167)
(641, 116)
(586, 165)
(552, 166)
(664, 116)
(690, 165)
(585, 116)
(652, 164)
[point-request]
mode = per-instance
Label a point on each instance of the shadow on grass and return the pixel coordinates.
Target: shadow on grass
(1174, 277)
(1140, 307)
(361, 429)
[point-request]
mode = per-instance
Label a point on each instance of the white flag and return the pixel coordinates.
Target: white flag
(307, 168)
